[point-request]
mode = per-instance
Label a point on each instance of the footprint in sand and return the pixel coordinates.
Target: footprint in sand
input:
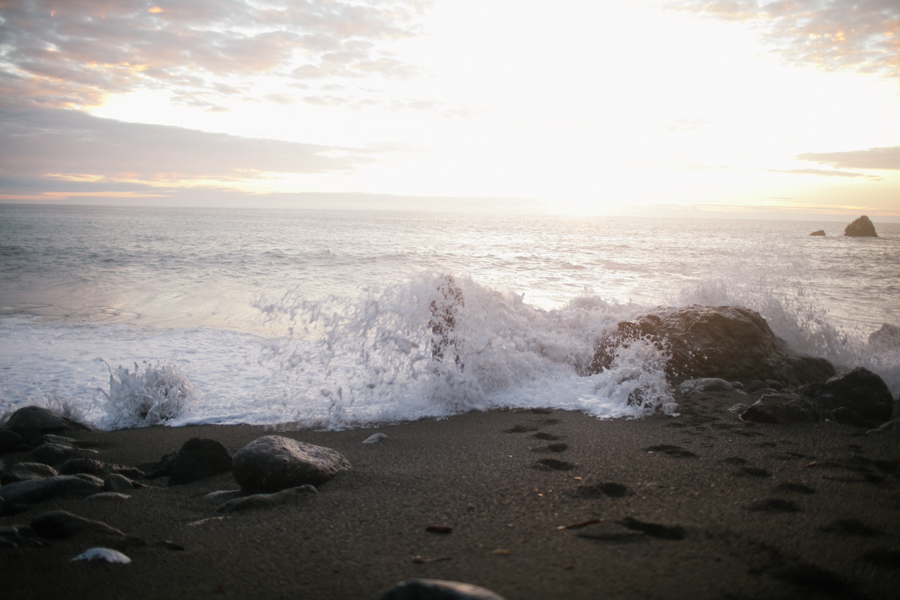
(851, 527)
(560, 447)
(521, 429)
(796, 488)
(552, 464)
(546, 436)
(599, 490)
(752, 472)
(775, 505)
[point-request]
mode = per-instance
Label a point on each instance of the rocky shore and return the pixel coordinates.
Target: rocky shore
(778, 478)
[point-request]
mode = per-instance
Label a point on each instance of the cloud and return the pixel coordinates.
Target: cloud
(47, 144)
(821, 172)
(873, 158)
(863, 35)
(72, 53)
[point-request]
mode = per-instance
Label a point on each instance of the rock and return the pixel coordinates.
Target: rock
(220, 495)
(889, 427)
(436, 589)
(53, 453)
(705, 384)
(781, 408)
(374, 438)
(726, 342)
(274, 463)
(98, 468)
(9, 440)
(164, 467)
(104, 554)
(18, 535)
(820, 232)
(199, 459)
(107, 496)
(25, 472)
(36, 490)
(32, 421)
(260, 500)
(114, 482)
(886, 338)
(858, 390)
(62, 525)
(861, 227)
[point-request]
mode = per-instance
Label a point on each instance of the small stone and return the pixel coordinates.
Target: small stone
(436, 589)
(704, 384)
(53, 453)
(104, 554)
(63, 524)
(260, 500)
(889, 427)
(374, 438)
(163, 468)
(25, 472)
(37, 490)
(199, 459)
(275, 463)
(107, 496)
(117, 483)
(220, 494)
(18, 535)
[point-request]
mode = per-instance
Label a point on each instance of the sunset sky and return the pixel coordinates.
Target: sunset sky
(786, 108)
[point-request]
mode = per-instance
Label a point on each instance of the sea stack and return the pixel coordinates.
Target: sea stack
(861, 227)
(820, 232)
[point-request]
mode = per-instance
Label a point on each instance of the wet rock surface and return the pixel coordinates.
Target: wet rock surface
(726, 342)
(32, 421)
(858, 390)
(273, 463)
(26, 471)
(199, 459)
(38, 490)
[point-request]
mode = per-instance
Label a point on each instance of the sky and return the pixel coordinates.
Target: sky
(740, 108)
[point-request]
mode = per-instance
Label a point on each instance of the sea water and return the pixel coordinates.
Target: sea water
(134, 316)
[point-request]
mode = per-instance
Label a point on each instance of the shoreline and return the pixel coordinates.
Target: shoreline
(701, 505)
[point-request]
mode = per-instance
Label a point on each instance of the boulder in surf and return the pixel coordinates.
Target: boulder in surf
(727, 342)
(861, 227)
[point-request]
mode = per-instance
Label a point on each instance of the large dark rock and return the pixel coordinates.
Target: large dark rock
(727, 342)
(26, 472)
(858, 390)
(781, 408)
(62, 524)
(32, 421)
(861, 227)
(820, 233)
(886, 338)
(37, 490)
(436, 589)
(9, 440)
(199, 459)
(273, 463)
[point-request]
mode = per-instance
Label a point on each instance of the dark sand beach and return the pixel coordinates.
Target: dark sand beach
(539, 504)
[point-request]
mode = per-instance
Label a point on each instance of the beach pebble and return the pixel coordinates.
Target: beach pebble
(37, 490)
(436, 589)
(26, 471)
(105, 554)
(375, 437)
(220, 495)
(199, 459)
(95, 467)
(889, 427)
(274, 462)
(63, 524)
(115, 482)
(53, 453)
(260, 500)
(107, 496)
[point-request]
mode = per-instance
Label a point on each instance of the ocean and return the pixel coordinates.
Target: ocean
(127, 317)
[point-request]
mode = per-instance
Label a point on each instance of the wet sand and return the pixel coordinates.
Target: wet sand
(540, 504)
